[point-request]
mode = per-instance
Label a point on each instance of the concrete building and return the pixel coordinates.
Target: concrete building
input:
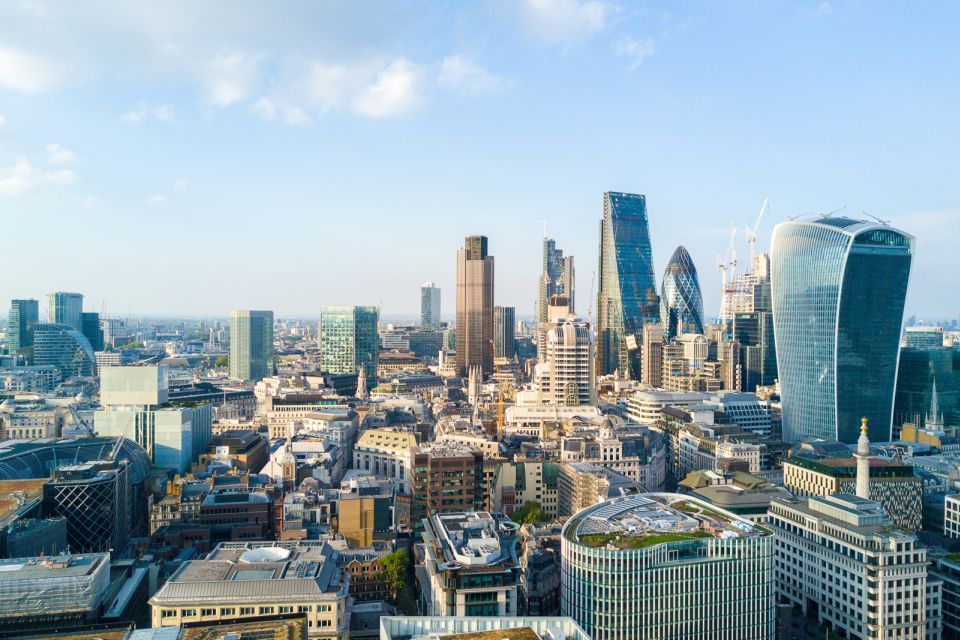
(258, 580)
(474, 307)
(660, 565)
(447, 478)
(646, 407)
(30, 418)
(480, 628)
(30, 379)
(738, 492)
(251, 344)
(470, 565)
(516, 483)
(387, 453)
(582, 484)
(566, 374)
(244, 449)
(365, 511)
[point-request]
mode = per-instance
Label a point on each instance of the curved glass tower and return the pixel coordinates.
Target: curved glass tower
(838, 288)
(627, 296)
(65, 348)
(681, 304)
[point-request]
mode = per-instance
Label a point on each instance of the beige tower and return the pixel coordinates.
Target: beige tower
(474, 306)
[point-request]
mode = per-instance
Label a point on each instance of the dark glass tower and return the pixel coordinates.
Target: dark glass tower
(627, 297)
(838, 288)
(504, 330)
(556, 279)
(24, 314)
(681, 304)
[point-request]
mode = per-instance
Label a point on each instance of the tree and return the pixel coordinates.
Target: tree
(221, 361)
(530, 513)
(396, 566)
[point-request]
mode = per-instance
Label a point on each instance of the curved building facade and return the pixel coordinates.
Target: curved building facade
(627, 296)
(662, 565)
(838, 287)
(64, 347)
(681, 303)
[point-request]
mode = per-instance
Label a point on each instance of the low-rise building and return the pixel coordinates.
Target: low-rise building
(583, 484)
(446, 479)
(387, 453)
(516, 483)
(737, 492)
(30, 418)
(480, 628)
(247, 450)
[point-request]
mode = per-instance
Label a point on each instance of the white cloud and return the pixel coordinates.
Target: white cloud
(180, 184)
(22, 177)
(165, 113)
(568, 20)
(60, 155)
(824, 9)
(156, 200)
(232, 77)
(26, 73)
(135, 116)
(326, 85)
(271, 110)
(396, 90)
(3, 122)
(467, 77)
(636, 50)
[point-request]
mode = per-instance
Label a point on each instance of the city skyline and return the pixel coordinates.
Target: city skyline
(178, 129)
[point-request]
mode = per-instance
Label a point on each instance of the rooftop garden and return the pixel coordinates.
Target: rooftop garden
(622, 540)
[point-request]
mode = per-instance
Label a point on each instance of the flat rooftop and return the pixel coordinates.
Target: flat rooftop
(516, 633)
(66, 566)
(646, 520)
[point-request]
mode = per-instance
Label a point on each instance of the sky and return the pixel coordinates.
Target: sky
(189, 158)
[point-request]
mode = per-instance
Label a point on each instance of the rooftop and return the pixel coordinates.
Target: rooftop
(473, 538)
(14, 571)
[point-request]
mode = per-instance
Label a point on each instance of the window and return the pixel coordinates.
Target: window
(246, 611)
(168, 613)
(208, 612)
(285, 610)
(227, 611)
(266, 610)
(188, 613)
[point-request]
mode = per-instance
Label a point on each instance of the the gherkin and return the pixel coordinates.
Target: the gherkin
(681, 304)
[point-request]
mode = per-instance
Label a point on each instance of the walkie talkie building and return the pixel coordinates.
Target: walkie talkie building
(839, 287)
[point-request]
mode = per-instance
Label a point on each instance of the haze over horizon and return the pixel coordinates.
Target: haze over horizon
(187, 159)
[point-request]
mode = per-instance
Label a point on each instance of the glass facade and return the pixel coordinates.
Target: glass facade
(430, 306)
(63, 347)
(838, 290)
(681, 304)
(556, 279)
(917, 371)
(627, 296)
(90, 323)
(24, 314)
(65, 308)
(349, 340)
(504, 329)
(251, 344)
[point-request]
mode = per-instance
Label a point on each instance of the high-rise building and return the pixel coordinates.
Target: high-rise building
(627, 297)
(474, 306)
(90, 327)
(504, 330)
(565, 375)
(753, 331)
(64, 347)
(66, 308)
(430, 306)
(251, 344)
(923, 374)
(838, 287)
(349, 341)
(681, 303)
(662, 565)
(557, 278)
(923, 337)
(94, 499)
(24, 314)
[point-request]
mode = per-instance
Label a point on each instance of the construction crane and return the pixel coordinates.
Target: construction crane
(78, 420)
(729, 261)
(752, 232)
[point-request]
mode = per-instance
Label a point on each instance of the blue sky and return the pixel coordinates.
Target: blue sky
(192, 158)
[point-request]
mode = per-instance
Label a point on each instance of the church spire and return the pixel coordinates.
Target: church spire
(934, 417)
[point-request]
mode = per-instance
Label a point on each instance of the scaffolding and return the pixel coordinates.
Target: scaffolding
(53, 586)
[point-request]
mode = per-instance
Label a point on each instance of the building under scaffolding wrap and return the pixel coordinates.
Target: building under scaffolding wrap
(39, 593)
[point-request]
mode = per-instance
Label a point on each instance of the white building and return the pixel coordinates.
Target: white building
(566, 373)
(387, 453)
(646, 406)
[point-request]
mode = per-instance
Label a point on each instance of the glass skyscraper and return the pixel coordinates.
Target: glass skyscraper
(348, 340)
(251, 344)
(919, 371)
(556, 279)
(24, 314)
(627, 296)
(504, 331)
(90, 323)
(474, 307)
(838, 287)
(430, 306)
(681, 303)
(64, 347)
(66, 308)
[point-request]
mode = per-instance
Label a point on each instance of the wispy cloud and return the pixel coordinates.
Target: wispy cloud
(467, 77)
(824, 9)
(636, 50)
(567, 21)
(60, 155)
(397, 90)
(232, 77)
(22, 177)
(180, 184)
(143, 112)
(156, 200)
(27, 73)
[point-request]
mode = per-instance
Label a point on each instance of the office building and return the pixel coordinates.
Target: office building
(94, 499)
(584, 484)
(474, 307)
(565, 374)
(24, 314)
(31, 379)
(662, 565)
(921, 375)
(387, 453)
(261, 580)
(349, 341)
(504, 329)
(470, 565)
(29, 418)
(65, 348)
(430, 306)
(251, 344)
(839, 560)
(47, 593)
(681, 303)
(65, 308)
(480, 628)
(923, 337)
(838, 288)
(627, 295)
(447, 478)
(738, 492)
(90, 327)
(557, 280)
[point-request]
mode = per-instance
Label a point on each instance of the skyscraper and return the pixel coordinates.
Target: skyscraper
(66, 308)
(556, 279)
(753, 330)
(504, 330)
(474, 306)
(349, 340)
(90, 327)
(23, 315)
(251, 344)
(838, 287)
(64, 347)
(430, 306)
(681, 304)
(627, 296)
